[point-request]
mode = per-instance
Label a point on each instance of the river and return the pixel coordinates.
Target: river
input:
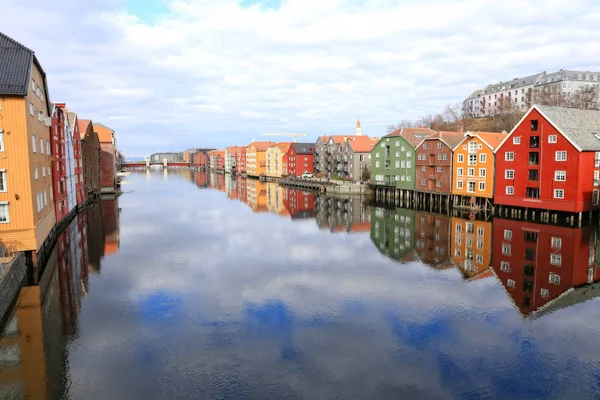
(198, 286)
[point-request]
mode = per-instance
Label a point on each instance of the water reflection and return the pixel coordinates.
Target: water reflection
(33, 346)
(252, 290)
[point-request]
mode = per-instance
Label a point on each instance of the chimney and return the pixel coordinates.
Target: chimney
(461, 129)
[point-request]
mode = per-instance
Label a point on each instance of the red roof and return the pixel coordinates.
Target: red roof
(83, 125)
(261, 146)
(105, 134)
(362, 144)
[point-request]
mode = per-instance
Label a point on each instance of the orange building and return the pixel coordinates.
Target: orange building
(256, 155)
(473, 165)
(26, 196)
(471, 247)
(256, 195)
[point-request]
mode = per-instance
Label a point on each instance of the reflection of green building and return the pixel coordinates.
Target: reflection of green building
(393, 232)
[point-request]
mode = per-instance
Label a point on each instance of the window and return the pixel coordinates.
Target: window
(545, 293)
(509, 156)
(397, 154)
(517, 140)
(397, 163)
(423, 169)
(554, 278)
(471, 171)
(31, 110)
(561, 156)
(48, 148)
(472, 147)
(4, 217)
(43, 170)
(534, 158)
(1, 140)
(461, 158)
(397, 143)
(534, 124)
(423, 182)
(403, 148)
(510, 190)
(41, 146)
(402, 164)
(472, 159)
(439, 145)
(438, 183)
(3, 180)
(560, 176)
(510, 283)
(459, 171)
(45, 198)
(509, 174)
(33, 143)
(470, 187)
(458, 228)
(532, 193)
(376, 164)
(409, 154)
(534, 142)
(482, 172)
(482, 186)
(425, 145)
(408, 164)
(35, 173)
(439, 169)
(482, 158)
(480, 231)
(507, 234)
(506, 249)
(556, 242)
(504, 266)
(596, 159)
(459, 184)
(551, 138)
(559, 194)
(533, 175)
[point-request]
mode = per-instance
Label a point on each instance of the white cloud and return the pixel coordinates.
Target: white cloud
(212, 73)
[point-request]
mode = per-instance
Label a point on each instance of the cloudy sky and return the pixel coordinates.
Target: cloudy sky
(173, 74)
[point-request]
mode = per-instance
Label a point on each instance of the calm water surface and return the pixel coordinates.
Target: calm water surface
(196, 286)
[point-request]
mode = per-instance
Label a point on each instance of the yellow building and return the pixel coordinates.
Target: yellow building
(256, 155)
(26, 197)
(473, 165)
(471, 247)
(275, 155)
(275, 198)
(256, 193)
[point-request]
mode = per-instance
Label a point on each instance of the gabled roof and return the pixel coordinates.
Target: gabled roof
(579, 127)
(15, 67)
(339, 138)
(491, 139)
(284, 146)
(452, 139)
(71, 116)
(324, 139)
(261, 146)
(414, 136)
(105, 134)
(83, 126)
(362, 144)
(303, 148)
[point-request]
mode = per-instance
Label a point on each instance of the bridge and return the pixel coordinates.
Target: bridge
(147, 164)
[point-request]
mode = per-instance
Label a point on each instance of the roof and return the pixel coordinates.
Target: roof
(452, 139)
(105, 134)
(339, 138)
(414, 136)
(362, 144)
(514, 83)
(566, 75)
(83, 125)
(303, 148)
(324, 139)
(580, 127)
(261, 146)
(575, 295)
(15, 67)
(284, 146)
(492, 139)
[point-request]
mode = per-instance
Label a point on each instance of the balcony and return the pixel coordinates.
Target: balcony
(534, 158)
(533, 175)
(534, 142)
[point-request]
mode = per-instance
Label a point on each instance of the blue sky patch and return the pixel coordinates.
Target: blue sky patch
(147, 10)
(262, 4)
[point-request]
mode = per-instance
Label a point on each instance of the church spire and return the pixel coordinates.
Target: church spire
(358, 129)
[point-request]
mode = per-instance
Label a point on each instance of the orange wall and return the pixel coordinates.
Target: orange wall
(462, 149)
(477, 244)
(254, 158)
(27, 228)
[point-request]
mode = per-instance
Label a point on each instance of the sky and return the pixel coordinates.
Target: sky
(175, 74)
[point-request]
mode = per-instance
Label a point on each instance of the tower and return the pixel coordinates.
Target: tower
(358, 129)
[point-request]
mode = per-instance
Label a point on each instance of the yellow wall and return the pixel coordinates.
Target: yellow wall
(275, 198)
(271, 158)
(27, 228)
(471, 252)
(488, 165)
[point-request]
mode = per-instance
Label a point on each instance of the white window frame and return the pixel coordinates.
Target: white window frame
(509, 156)
(510, 190)
(482, 186)
(560, 176)
(517, 140)
(33, 143)
(36, 173)
(469, 186)
(510, 172)
(459, 171)
(470, 171)
(508, 234)
(461, 158)
(4, 204)
(41, 146)
(1, 140)
(560, 152)
(459, 184)
(31, 109)
(482, 158)
(552, 138)
(559, 193)
(3, 180)
(482, 172)
(556, 242)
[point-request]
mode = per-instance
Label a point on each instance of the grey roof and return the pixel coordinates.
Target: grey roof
(303, 148)
(571, 297)
(581, 127)
(566, 75)
(15, 67)
(514, 83)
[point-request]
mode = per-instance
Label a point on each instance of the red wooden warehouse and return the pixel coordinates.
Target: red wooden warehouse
(300, 158)
(434, 162)
(550, 161)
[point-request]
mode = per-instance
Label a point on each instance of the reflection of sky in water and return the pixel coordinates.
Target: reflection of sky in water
(207, 300)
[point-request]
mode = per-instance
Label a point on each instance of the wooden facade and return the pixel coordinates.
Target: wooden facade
(434, 163)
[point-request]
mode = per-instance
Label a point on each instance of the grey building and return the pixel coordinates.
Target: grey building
(355, 156)
(171, 157)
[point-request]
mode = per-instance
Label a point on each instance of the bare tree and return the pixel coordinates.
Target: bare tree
(453, 113)
(586, 97)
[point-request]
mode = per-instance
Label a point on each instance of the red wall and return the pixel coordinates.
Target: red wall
(579, 167)
(296, 162)
(431, 163)
(434, 246)
(59, 168)
(242, 162)
(107, 165)
(79, 190)
(526, 292)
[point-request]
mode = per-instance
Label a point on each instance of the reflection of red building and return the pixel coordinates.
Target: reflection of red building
(201, 179)
(537, 263)
(59, 165)
(77, 155)
(240, 186)
(432, 234)
(199, 159)
(110, 223)
(299, 204)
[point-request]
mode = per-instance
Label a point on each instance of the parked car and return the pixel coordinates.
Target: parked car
(307, 174)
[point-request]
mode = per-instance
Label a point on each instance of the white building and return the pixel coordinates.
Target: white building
(70, 164)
